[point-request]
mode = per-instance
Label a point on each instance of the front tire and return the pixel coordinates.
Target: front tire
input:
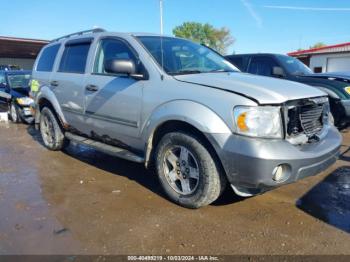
(51, 131)
(187, 171)
(14, 113)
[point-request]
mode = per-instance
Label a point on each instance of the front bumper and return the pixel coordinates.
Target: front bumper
(26, 113)
(249, 162)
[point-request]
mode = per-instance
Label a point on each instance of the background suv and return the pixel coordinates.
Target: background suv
(289, 68)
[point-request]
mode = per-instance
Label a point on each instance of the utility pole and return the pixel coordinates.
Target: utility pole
(161, 16)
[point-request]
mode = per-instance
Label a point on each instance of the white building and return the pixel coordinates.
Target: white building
(333, 58)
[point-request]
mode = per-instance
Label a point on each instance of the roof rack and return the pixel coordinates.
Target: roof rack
(94, 30)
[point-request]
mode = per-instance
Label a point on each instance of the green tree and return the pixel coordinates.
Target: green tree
(218, 39)
(318, 45)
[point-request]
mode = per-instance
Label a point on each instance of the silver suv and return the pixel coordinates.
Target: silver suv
(183, 108)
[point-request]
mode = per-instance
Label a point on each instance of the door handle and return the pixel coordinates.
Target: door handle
(91, 88)
(54, 83)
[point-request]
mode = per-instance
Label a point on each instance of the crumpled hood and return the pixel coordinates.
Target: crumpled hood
(266, 90)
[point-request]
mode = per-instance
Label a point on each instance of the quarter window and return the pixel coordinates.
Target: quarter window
(47, 58)
(112, 49)
(74, 58)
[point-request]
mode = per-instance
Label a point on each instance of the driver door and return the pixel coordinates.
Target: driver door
(113, 103)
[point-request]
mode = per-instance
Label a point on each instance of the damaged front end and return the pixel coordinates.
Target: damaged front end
(306, 120)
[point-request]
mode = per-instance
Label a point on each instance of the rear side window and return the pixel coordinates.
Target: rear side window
(74, 58)
(47, 58)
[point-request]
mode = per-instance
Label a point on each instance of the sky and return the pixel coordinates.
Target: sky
(277, 26)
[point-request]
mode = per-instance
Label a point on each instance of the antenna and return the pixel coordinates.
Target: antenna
(161, 32)
(161, 16)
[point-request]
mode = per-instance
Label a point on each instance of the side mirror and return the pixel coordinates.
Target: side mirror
(123, 66)
(278, 71)
(120, 66)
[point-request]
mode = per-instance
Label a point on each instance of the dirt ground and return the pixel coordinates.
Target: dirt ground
(84, 202)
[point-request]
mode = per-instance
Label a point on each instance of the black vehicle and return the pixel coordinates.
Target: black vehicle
(290, 68)
(14, 94)
(9, 67)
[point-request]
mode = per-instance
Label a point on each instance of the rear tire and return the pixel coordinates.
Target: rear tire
(187, 171)
(50, 130)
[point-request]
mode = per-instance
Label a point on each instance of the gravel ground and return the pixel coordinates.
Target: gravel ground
(81, 201)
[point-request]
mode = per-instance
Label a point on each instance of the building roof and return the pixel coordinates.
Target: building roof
(18, 39)
(14, 47)
(339, 48)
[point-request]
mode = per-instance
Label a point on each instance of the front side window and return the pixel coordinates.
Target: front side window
(47, 58)
(18, 81)
(179, 56)
(262, 66)
(294, 66)
(112, 49)
(74, 58)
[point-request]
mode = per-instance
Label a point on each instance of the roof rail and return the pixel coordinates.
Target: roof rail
(94, 30)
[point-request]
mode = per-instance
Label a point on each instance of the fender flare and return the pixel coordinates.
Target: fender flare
(46, 93)
(195, 114)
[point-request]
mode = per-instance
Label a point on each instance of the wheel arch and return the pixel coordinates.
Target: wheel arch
(179, 126)
(185, 116)
(47, 98)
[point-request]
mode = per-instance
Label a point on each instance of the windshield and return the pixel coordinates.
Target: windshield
(18, 80)
(181, 56)
(294, 66)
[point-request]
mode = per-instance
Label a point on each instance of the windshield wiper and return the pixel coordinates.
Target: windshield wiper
(220, 71)
(185, 72)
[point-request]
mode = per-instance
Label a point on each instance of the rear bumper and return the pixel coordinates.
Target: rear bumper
(249, 162)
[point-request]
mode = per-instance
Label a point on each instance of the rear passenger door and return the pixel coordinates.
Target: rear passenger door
(68, 81)
(262, 65)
